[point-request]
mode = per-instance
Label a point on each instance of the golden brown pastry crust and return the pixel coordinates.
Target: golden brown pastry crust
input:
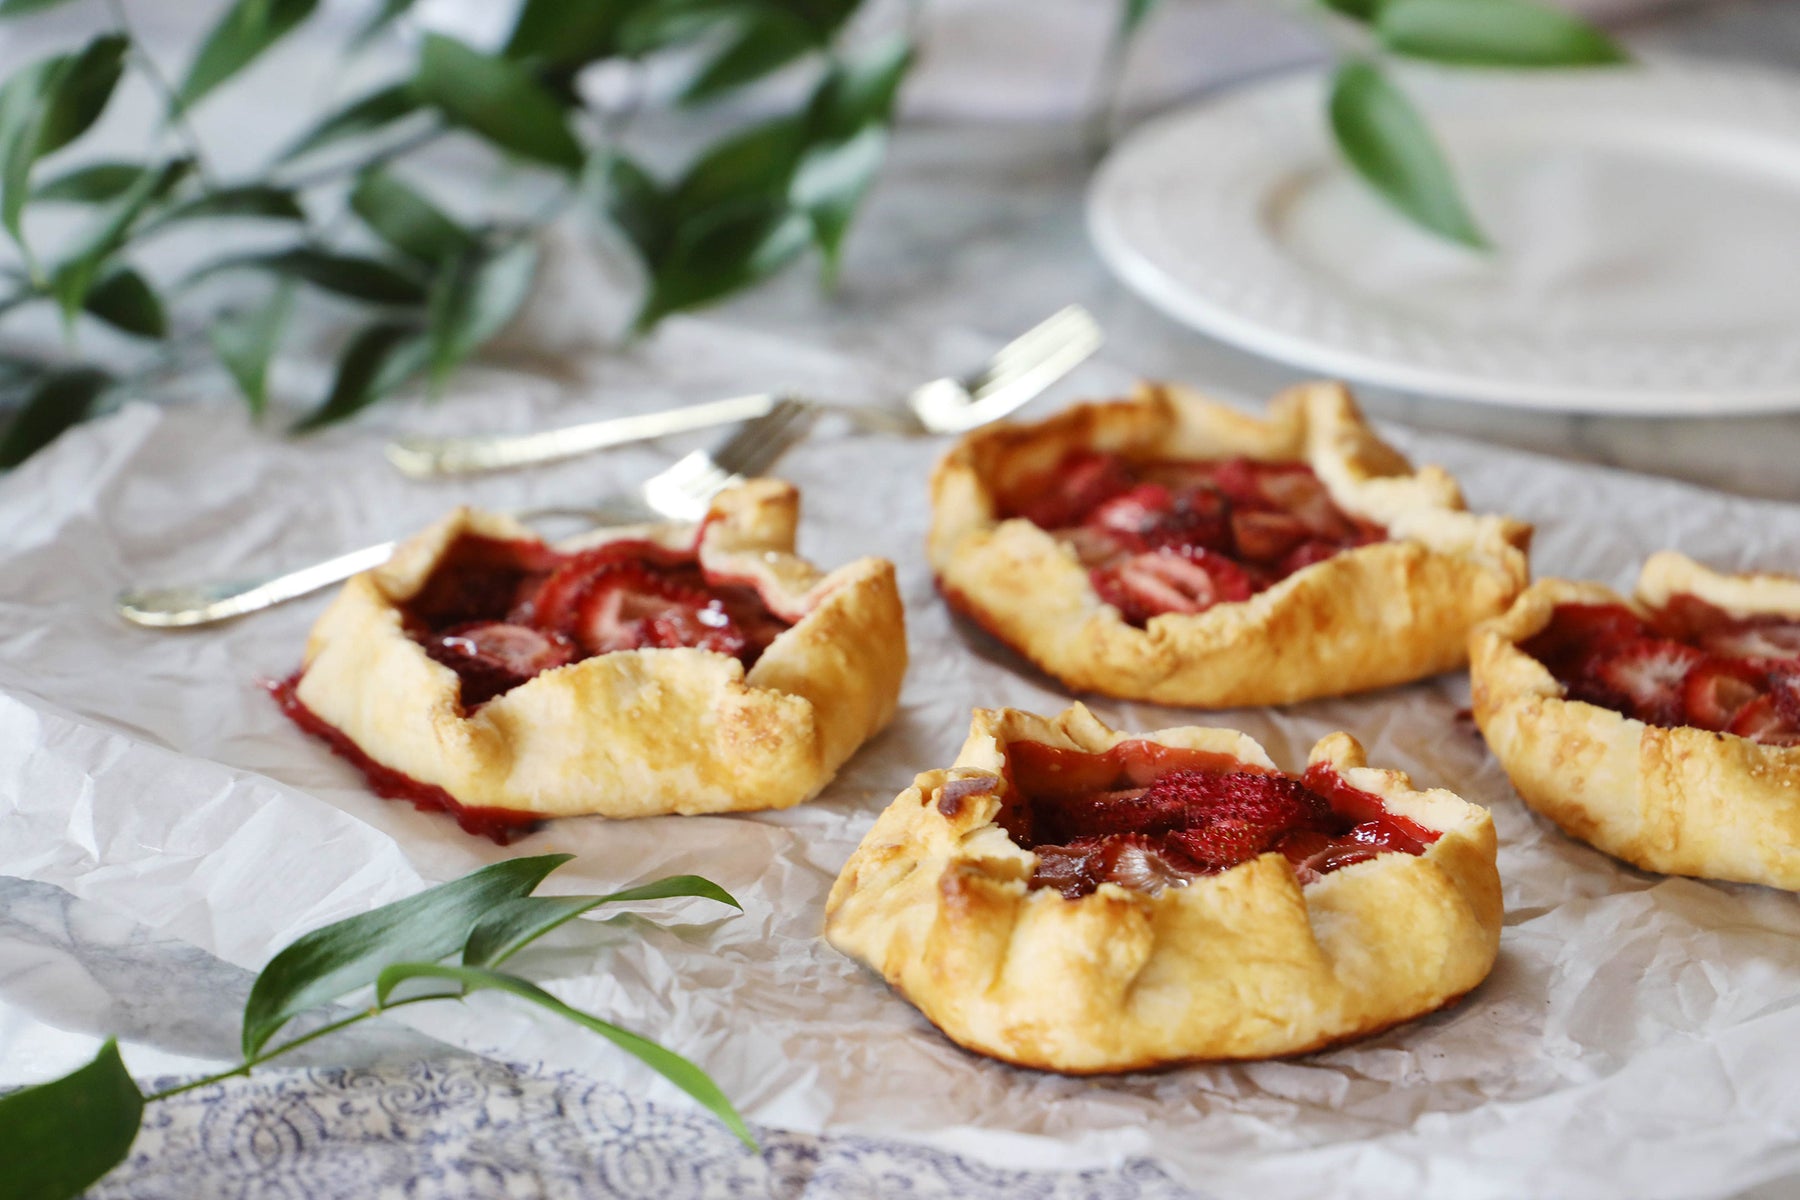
(1381, 614)
(1243, 964)
(635, 732)
(1681, 801)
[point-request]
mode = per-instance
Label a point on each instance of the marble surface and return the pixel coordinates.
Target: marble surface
(976, 227)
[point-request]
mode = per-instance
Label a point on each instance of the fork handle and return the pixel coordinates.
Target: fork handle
(204, 604)
(426, 458)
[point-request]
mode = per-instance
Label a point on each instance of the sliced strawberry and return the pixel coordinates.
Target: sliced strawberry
(1762, 721)
(1144, 863)
(1687, 617)
(1716, 690)
(557, 601)
(491, 657)
(1136, 514)
(1151, 517)
(630, 607)
(1576, 631)
(1758, 641)
(1241, 480)
(1168, 581)
(1266, 536)
(1082, 481)
(1305, 555)
(1650, 673)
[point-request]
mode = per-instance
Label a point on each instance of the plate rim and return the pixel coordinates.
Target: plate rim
(1134, 266)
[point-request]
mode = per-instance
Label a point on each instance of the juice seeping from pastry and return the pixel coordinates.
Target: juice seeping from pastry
(1180, 537)
(1148, 816)
(500, 612)
(1687, 663)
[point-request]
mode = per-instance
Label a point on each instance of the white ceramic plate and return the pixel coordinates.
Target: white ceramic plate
(1647, 224)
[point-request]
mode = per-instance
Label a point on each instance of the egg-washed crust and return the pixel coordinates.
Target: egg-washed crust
(1241, 965)
(635, 732)
(1381, 614)
(1681, 801)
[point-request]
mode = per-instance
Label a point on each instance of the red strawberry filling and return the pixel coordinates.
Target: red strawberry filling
(1148, 816)
(499, 613)
(1180, 537)
(1687, 663)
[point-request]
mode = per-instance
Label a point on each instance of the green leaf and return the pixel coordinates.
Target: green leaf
(126, 301)
(406, 220)
(246, 343)
(497, 99)
(724, 252)
(753, 164)
(846, 119)
(62, 1136)
(1389, 144)
(248, 28)
(1361, 10)
(632, 200)
(558, 34)
(366, 114)
(80, 92)
(59, 400)
(1132, 15)
(379, 360)
(832, 181)
(45, 106)
(327, 963)
(349, 275)
(860, 90)
(389, 12)
(92, 184)
(766, 40)
(20, 8)
(515, 924)
(72, 279)
(475, 296)
(257, 201)
(671, 1066)
(1493, 33)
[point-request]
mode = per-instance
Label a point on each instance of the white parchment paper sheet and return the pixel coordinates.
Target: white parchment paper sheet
(1639, 1037)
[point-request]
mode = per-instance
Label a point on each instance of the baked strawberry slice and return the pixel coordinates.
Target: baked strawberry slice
(630, 607)
(1764, 642)
(1762, 721)
(1305, 555)
(1170, 581)
(1717, 689)
(1080, 483)
(1266, 537)
(1650, 674)
(491, 657)
(1576, 631)
(1134, 516)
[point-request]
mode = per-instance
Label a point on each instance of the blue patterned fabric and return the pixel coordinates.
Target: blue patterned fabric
(469, 1128)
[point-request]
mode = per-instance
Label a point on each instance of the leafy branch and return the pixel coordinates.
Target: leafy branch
(432, 288)
(1378, 129)
(60, 1137)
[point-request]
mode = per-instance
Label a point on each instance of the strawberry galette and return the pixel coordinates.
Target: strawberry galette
(1082, 900)
(1665, 729)
(668, 669)
(1169, 548)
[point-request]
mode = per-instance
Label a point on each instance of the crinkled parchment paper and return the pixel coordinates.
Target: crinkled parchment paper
(1639, 1036)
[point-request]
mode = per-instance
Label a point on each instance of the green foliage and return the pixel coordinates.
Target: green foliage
(55, 401)
(59, 1137)
(64, 1135)
(432, 287)
(1387, 141)
(248, 28)
(1493, 33)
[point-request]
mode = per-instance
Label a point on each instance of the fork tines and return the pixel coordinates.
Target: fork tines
(686, 489)
(1064, 338)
